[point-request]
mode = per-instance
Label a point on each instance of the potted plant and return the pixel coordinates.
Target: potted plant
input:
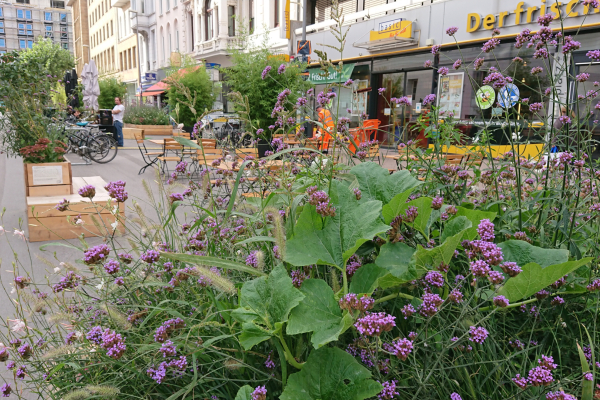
(152, 120)
(28, 128)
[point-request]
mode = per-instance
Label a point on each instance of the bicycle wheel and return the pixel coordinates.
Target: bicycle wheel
(102, 149)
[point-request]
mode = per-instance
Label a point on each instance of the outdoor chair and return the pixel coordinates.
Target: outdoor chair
(182, 134)
(150, 158)
(170, 146)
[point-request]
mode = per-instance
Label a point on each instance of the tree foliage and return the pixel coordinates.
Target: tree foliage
(192, 88)
(109, 89)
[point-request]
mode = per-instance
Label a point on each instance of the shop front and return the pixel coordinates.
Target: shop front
(393, 49)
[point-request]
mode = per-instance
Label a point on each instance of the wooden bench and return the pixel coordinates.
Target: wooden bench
(45, 222)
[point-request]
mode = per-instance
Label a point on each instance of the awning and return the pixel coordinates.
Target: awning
(155, 90)
(316, 75)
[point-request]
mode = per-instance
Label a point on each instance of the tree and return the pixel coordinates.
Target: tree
(109, 89)
(52, 56)
(191, 89)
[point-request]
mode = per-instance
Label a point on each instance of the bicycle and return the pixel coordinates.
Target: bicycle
(89, 145)
(232, 134)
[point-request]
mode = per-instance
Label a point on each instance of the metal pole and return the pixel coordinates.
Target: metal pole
(137, 41)
(303, 19)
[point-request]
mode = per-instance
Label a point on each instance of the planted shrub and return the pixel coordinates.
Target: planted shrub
(145, 115)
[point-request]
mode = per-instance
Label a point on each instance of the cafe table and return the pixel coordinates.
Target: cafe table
(270, 165)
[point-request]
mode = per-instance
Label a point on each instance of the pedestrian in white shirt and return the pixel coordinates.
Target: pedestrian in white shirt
(118, 112)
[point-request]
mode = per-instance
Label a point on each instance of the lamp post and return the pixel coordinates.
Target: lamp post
(137, 41)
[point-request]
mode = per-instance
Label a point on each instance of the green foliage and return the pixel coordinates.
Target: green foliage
(523, 253)
(331, 374)
(376, 183)
(109, 89)
(54, 59)
(145, 115)
(200, 87)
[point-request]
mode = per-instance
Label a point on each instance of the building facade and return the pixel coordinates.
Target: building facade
(22, 22)
(81, 33)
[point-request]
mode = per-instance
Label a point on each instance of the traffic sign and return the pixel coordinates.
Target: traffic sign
(150, 76)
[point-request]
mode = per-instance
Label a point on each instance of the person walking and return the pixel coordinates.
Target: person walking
(118, 112)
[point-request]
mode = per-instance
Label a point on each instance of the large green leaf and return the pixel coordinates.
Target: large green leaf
(426, 259)
(535, 278)
(265, 304)
(365, 279)
(331, 374)
(396, 206)
(454, 226)
(475, 216)
(376, 183)
(523, 253)
(397, 259)
(318, 313)
(211, 262)
(245, 393)
(333, 240)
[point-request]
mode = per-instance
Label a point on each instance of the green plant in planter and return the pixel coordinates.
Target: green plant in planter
(145, 115)
(192, 88)
(47, 149)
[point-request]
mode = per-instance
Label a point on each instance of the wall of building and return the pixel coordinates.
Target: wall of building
(81, 33)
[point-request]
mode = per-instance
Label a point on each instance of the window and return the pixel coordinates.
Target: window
(47, 16)
(251, 15)
(24, 14)
(176, 40)
(143, 4)
(57, 4)
(276, 12)
(65, 46)
(163, 47)
(111, 28)
(2, 42)
(169, 5)
(1, 26)
(63, 33)
(22, 44)
(1, 12)
(2, 51)
(170, 41)
(63, 18)
(160, 6)
(30, 44)
(231, 20)
(25, 29)
(23, 1)
(48, 30)
(208, 21)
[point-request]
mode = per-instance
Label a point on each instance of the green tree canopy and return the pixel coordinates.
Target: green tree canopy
(192, 89)
(109, 89)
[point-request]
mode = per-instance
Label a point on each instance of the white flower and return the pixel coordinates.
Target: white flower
(18, 325)
(14, 290)
(56, 270)
(62, 264)
(115, 210)
(20, 233)
(2, 230)
(79, 221)
(101, 285)
(114, 225)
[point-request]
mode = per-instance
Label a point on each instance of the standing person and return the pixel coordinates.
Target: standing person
(324, 135)
(118, 112)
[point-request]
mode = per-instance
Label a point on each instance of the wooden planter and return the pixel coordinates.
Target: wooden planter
(153, 130)
(129, 133)
(48, 179)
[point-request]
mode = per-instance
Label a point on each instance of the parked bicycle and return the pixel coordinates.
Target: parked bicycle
(91, 145)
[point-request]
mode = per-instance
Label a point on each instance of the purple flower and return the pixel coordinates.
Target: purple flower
(455, 396)
(150, 256)
(479, 268)
(485, 229)
(25, 351)
(501, 301)
(455, 296)
(252, 259)
(443, 71)
(451, 32)
(541, 53)
(478, 63)
(582, 77)
(570, 45)
(544, 20)
(593, 55)
(588, 376)
(116, 190)
(62, 205)
(557, 301)
(478, 334)
(21, 371)
(457, 64)
(388, 391)
(495, 277)
(352, 302)
(427, 64)
(349, 82)
(520, 381)
(260, 393)
(401, 348)
(408, 310)
(564, 119)
(87, 191)
(265, 71)
(168, 349)
(6, 390)
(540, 376)
(281, 69)
(496, 79)
(95, 254)
(594, 286)
(436, 49)
(163, 332)
(438, 201)
(534, 107)
(173, 197)
(269, 363)
(113, 343)
(298, 277)
(434, 278)
(381, 90)
(357, 193)
(430, 304)
(112, 267)
(490, 45)
(429, 99)
(559, 395)
(536, 70)
(374, 324)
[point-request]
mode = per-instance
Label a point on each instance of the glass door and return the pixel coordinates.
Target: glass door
(387, 113)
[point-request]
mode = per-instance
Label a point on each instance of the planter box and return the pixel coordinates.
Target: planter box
(48, 179)
(47, 223)
(153, 130)
(129, 133)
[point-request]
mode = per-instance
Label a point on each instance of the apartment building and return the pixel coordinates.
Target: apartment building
(23, 21)
(175, 32)
(81, 33)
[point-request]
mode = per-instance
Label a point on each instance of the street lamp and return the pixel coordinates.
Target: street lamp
(137, 41)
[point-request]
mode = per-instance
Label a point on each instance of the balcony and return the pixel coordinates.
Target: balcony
(119, 3)
(141, 21)
(217, 46)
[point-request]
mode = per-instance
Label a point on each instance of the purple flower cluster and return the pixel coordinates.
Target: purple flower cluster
(451, 31)
(374, 324)
(87, 191)
(4, 354)
(252, 259)
(160, 373)
(501, 301)
(534, 107)
(112, 267)
(401, 348)
(455, 296)
(113, 343)
(281, 69)
(116, 190)
(62, 205)
(320, 199)
(168, 349)
(429, 99)
(559, 395)
(496, 79)
(478, 63)
(544, 20)
(357, 193)
(490, 45)
(570, 45)
(434, 278)
(388, 391)
(96, 254)
(430, 304)
(69, 281)
(485, 230)
(443, 71)
(6, 390)
(260, 393)
(21, 282)
(266, 71)
(25, 351)
(478, 334)
(352, 302)
(479, 268)
(150, 256)
(594, 286)
(408, 310)
(427, 64)
(457, 64)
(298, 277)
(593, 55)
(164, 331)
(21, 371)
(536, 70)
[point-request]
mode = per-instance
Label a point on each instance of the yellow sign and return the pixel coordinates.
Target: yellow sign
(526, 15)
(392, 29)
(288, 28)
(279, 57)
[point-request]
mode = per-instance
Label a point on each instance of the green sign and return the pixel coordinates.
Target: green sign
(319, 77)
(485, 97)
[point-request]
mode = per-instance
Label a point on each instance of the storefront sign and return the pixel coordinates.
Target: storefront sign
(317, 76)
(396, 27)
(508, 95)
(47, 175)
(288, 28)
(485, 97)
(450, 93)
(527, 14)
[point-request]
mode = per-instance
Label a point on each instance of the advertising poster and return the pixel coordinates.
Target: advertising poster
(450, 93)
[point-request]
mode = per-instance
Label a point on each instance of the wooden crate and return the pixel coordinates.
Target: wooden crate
(129, 133)
(38, 184)
(47, 223)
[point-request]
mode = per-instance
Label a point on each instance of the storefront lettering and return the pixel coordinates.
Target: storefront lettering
(527, 15)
